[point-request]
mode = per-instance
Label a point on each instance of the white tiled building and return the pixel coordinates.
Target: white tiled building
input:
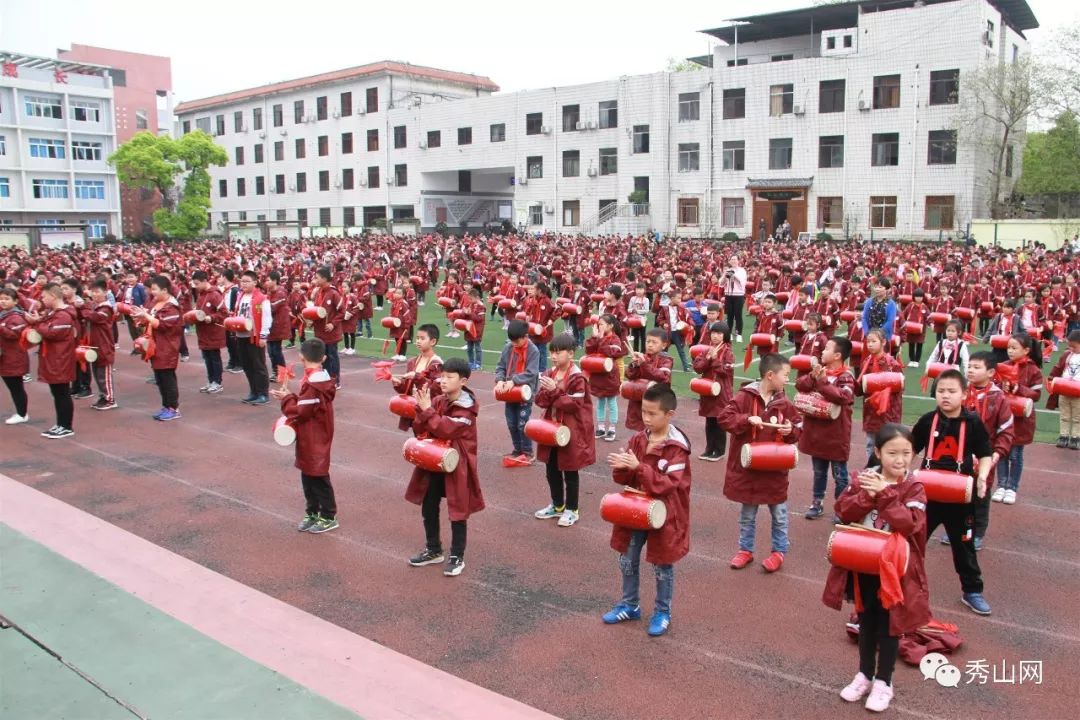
(838, 118)
(56, 132)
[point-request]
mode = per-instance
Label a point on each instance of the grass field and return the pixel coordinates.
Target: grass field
(915, 402)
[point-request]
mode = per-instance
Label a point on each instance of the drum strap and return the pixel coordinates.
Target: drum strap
(929, 452)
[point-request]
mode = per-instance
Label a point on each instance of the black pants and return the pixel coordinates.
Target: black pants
(914, 351)
(715, 437)
(253, 361)
(429, 509)
(639, 339)
(231, 346)
(183, 346)
(982, 514)
(564, 484)
(984, 325)
(103, 377)
(170, 391)
(18, 393)
(277, 358)
(959, 520)
(212, 360)
(319, 495)
(65, 408)
(350, 340)
(332, 363)
(877, 648)
(733, 307)
(82, 379)
(379, 301)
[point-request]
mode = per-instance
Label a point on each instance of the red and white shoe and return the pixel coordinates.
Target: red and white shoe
(741, 559)
(773, 562)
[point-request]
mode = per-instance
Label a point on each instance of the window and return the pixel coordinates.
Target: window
(239, 155)
(536, 214)
(256, 118)
(571, 213)
(238, 121)
(301, 216)
(886, 91)
(885, 149)
(41, 106)
(346, 143)
(781, 99)
(96, 229)
(609, 114)
(738, 62)
(279, 215)
(373, 177)
(831, 151)
(82, 111)
(371, 100)
(734, 155)
(464, 136)
(830, 43)
(223, 188)
(186, 127)
(941, 148)
(534, 167)
(498, 132)
(47, 148)
(1015, 52)
(301, 182)
(782, 58)
(571, 163)
(831, 96)
(320, 108)
(51, 224)
(1009, 161)
(5, 187)
(464, 181)
(944, 87)
(372, 140)
(434, 138)
(688, 157)
(848, 41)
(345, 104)
(534, 123)
(731, 211)
(241, 187)
(219, 123)
(734, 103)
(279, 151)
(609, 161)
(203, 124)
(300, 148)
(940, 212)
(259, 152)
(90, 189)
(830, 212)
(400, 137)
(348, 216)
(3, 145)
(324, 217)
(323, 143)
(989, 37)
(641, 139)
(279, 116)
(298, 111)
(401, 175)
(348, 180)
(688, 211)
(882, 211)
(689, 106)
(324, 180)
(571, 115)
(279, 184)
(84, 150)
(260, 185)
(780, 152)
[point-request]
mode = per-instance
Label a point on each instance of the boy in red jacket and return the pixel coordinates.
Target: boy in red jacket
(99, 316)
(658, 464)
(655, 365)
(311, 414)
(987, 399)
(59, 327)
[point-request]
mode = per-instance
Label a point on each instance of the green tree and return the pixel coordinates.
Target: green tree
(674, 65)
(155, 162)
(1052, 158)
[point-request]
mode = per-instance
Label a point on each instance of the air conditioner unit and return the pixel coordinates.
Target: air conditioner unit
(799, 110)
(389, 181)
(549, 208)
(262, 135)
(362, 182)
(310, 118)
(545, 129)
(273, 190)
(423, 145)
(292, 188)
(591, 172)
(361, 112)
(244, 128)
(581, 125)
(337, 114)
(592, 125)
(864, 106)
(283, 133)
(523, 181)
(337, 184)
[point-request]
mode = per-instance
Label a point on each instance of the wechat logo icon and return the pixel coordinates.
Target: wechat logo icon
(937, 666)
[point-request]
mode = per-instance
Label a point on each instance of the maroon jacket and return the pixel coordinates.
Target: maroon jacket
(330, 299)
(167, 335)
(403, 310)
(59, 335)
(823, 438)
(429, 378)
(993, 408)
(210, 333)
(756, 487)
(871, 421)
(311, 414)
(478, 315)
(902, 507)
(1057, 371)
(456, 422)
(720, 369)
(281, 322)
(100, 321)
(570, 405)
(1030, 385)
(605, 385)
(656, 368)
(14, 361)
(664, 473)
(812, 345)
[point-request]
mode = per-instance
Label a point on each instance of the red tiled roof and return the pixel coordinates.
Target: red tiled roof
(386, 66)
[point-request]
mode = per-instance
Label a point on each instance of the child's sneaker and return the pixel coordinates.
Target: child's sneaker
(169, 414)
(856, 689)
(1009, 498)
(427, 557)
(621, 613)
(659, 623)
(1074, 443)
(454, 566)
(741, 559)
(609, 436)
(599, 433)
(306, 524)
(548, 513)
(104, 405)
(814, 511)
(998, 495)
(569, 517)
(880, 696)
(215, 388)
(773, 562)
(1062, 442)
(323, 524)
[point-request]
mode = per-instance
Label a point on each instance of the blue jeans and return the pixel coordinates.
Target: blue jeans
(1010, 467)
(331, 363)
(579, 336)
(677, 342)
(543, 348)
(475, 353)
(631, 578)
(277, 358)
(365, 327)
(517, 414)
(748, 526)
(821, 477)
(607, 407)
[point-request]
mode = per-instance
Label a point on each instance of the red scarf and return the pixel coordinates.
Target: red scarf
(518, 355)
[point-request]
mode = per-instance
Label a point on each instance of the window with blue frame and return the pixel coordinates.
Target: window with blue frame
(5, 187)
(48, 189)
(90, 189)
(47, 148)
(96, 229)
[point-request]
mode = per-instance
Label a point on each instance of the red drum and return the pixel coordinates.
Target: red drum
(939, 319)
(516, 394)
(904, 299)
(284, 433)
(597, 297)
(431, 455)
(946, 486)
(546, 432)
(30, 336)
(391, 322)
(1035, 332)
(635, 389)
(142, 345)
(787, 313)
(635, 321)
(1020, 406)
(238, 324)
(403, 406)
(520, 315)
(465, 326)
(460, 314)
(416, 279)
(795, 326)
(987, 309)
(802, 363)
(914, 328)
(935, 369)
(999, 342)
(813, 405)
(848, 316)
(496, 299)
(634, 510)
(859, 549)
(964, 313)
(571, 309)
(592, 319)
(84, 354)
(1061, 386)
(699, 350)
(762, 340)
(769, 456)
(856, 348)
(560, 301)
(507, 304)
(754, 309)
(597, 364)
(782, 296)
(872, 382)
(705, 387)
(536, 329)
(124, 308)
(313, 312)
(192, 316)
(750, 286)
(447, 302)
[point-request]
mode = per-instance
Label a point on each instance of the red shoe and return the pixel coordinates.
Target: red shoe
(742, 559)
(516, 461)
(773, 562)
